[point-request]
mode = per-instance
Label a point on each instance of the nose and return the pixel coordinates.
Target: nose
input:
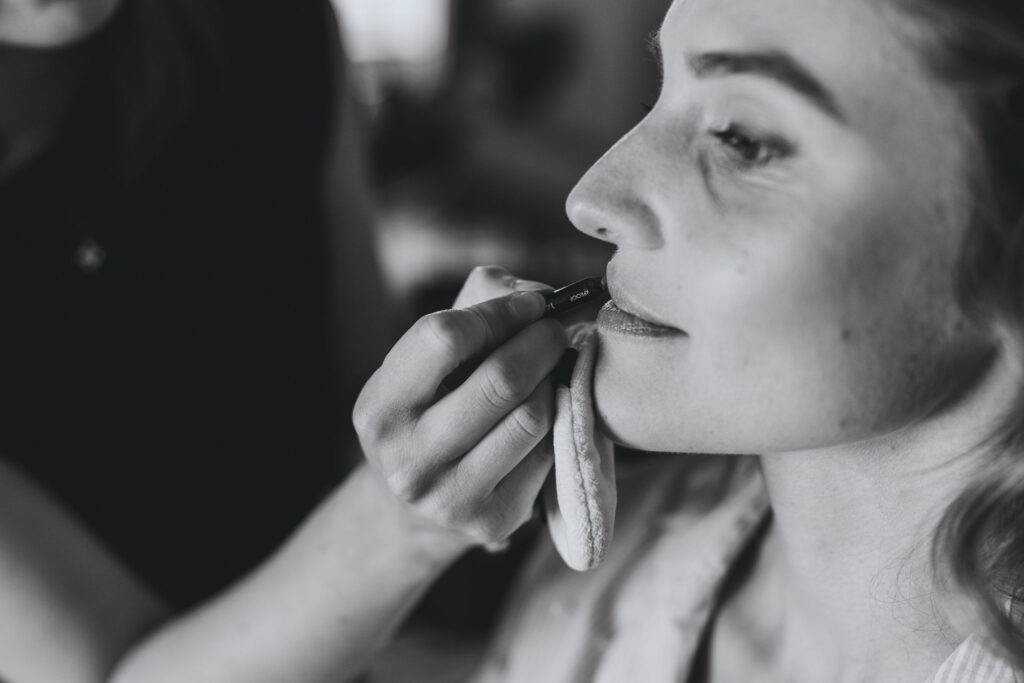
(613, 201)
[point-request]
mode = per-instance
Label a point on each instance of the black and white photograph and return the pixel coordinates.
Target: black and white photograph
(511, 341)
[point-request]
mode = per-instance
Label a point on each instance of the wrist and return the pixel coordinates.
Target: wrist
(427, 541)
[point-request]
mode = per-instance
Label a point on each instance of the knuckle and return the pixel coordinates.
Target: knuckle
(455, 515)
(445, 516)
(502, 387)
(446, 511)
(433, 509)
(405, 486)
(380, 427)
(530, 421)
(364, 419)
(492, 333)
(443, 328)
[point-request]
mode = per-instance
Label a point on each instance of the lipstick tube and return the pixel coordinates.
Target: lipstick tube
(577, 294)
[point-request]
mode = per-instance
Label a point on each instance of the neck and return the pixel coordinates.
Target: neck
(849, 550)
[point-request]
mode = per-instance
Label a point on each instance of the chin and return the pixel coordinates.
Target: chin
(650, 405)
(631, 407)
(635, 391)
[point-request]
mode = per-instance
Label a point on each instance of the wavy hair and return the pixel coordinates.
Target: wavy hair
(976, 47)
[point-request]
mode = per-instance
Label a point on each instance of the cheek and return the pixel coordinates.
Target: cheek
(804, 339)
(849, 337)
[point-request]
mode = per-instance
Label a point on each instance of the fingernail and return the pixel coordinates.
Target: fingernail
(562, 373)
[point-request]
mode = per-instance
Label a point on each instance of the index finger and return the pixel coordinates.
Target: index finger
(438, 343)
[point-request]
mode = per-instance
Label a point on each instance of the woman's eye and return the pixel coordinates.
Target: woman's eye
(745, 150)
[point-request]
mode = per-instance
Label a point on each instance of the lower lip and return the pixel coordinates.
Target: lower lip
(613, 319)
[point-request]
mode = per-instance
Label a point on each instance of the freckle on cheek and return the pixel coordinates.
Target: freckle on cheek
(846, 334)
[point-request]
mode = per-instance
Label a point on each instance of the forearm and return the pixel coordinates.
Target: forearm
(316, 611)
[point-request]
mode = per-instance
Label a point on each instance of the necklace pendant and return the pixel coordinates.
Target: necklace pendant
(90, 257)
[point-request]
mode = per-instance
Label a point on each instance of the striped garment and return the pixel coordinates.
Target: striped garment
(640, 615)
(972, 662)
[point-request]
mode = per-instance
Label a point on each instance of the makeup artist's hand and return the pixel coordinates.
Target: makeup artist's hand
(471, 460)
(488, 282)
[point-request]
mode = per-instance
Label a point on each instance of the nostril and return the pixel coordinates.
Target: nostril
(602, 232)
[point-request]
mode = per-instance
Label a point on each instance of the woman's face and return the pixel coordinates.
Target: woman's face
(791, 212)
(52, 23)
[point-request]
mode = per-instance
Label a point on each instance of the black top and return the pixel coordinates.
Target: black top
(164, 364)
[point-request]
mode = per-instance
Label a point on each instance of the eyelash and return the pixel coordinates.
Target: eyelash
(738, 143)
(748, 151)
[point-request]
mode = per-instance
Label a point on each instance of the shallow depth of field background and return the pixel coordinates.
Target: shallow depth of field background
(482, 115)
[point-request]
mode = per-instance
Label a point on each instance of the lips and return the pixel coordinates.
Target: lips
(613, 318)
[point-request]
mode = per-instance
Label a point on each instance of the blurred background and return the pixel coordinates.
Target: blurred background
(170, 262)
(482, 115)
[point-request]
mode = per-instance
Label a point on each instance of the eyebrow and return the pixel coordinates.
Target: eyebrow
(772, 64)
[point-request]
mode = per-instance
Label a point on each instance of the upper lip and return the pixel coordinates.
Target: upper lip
(626, 302)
